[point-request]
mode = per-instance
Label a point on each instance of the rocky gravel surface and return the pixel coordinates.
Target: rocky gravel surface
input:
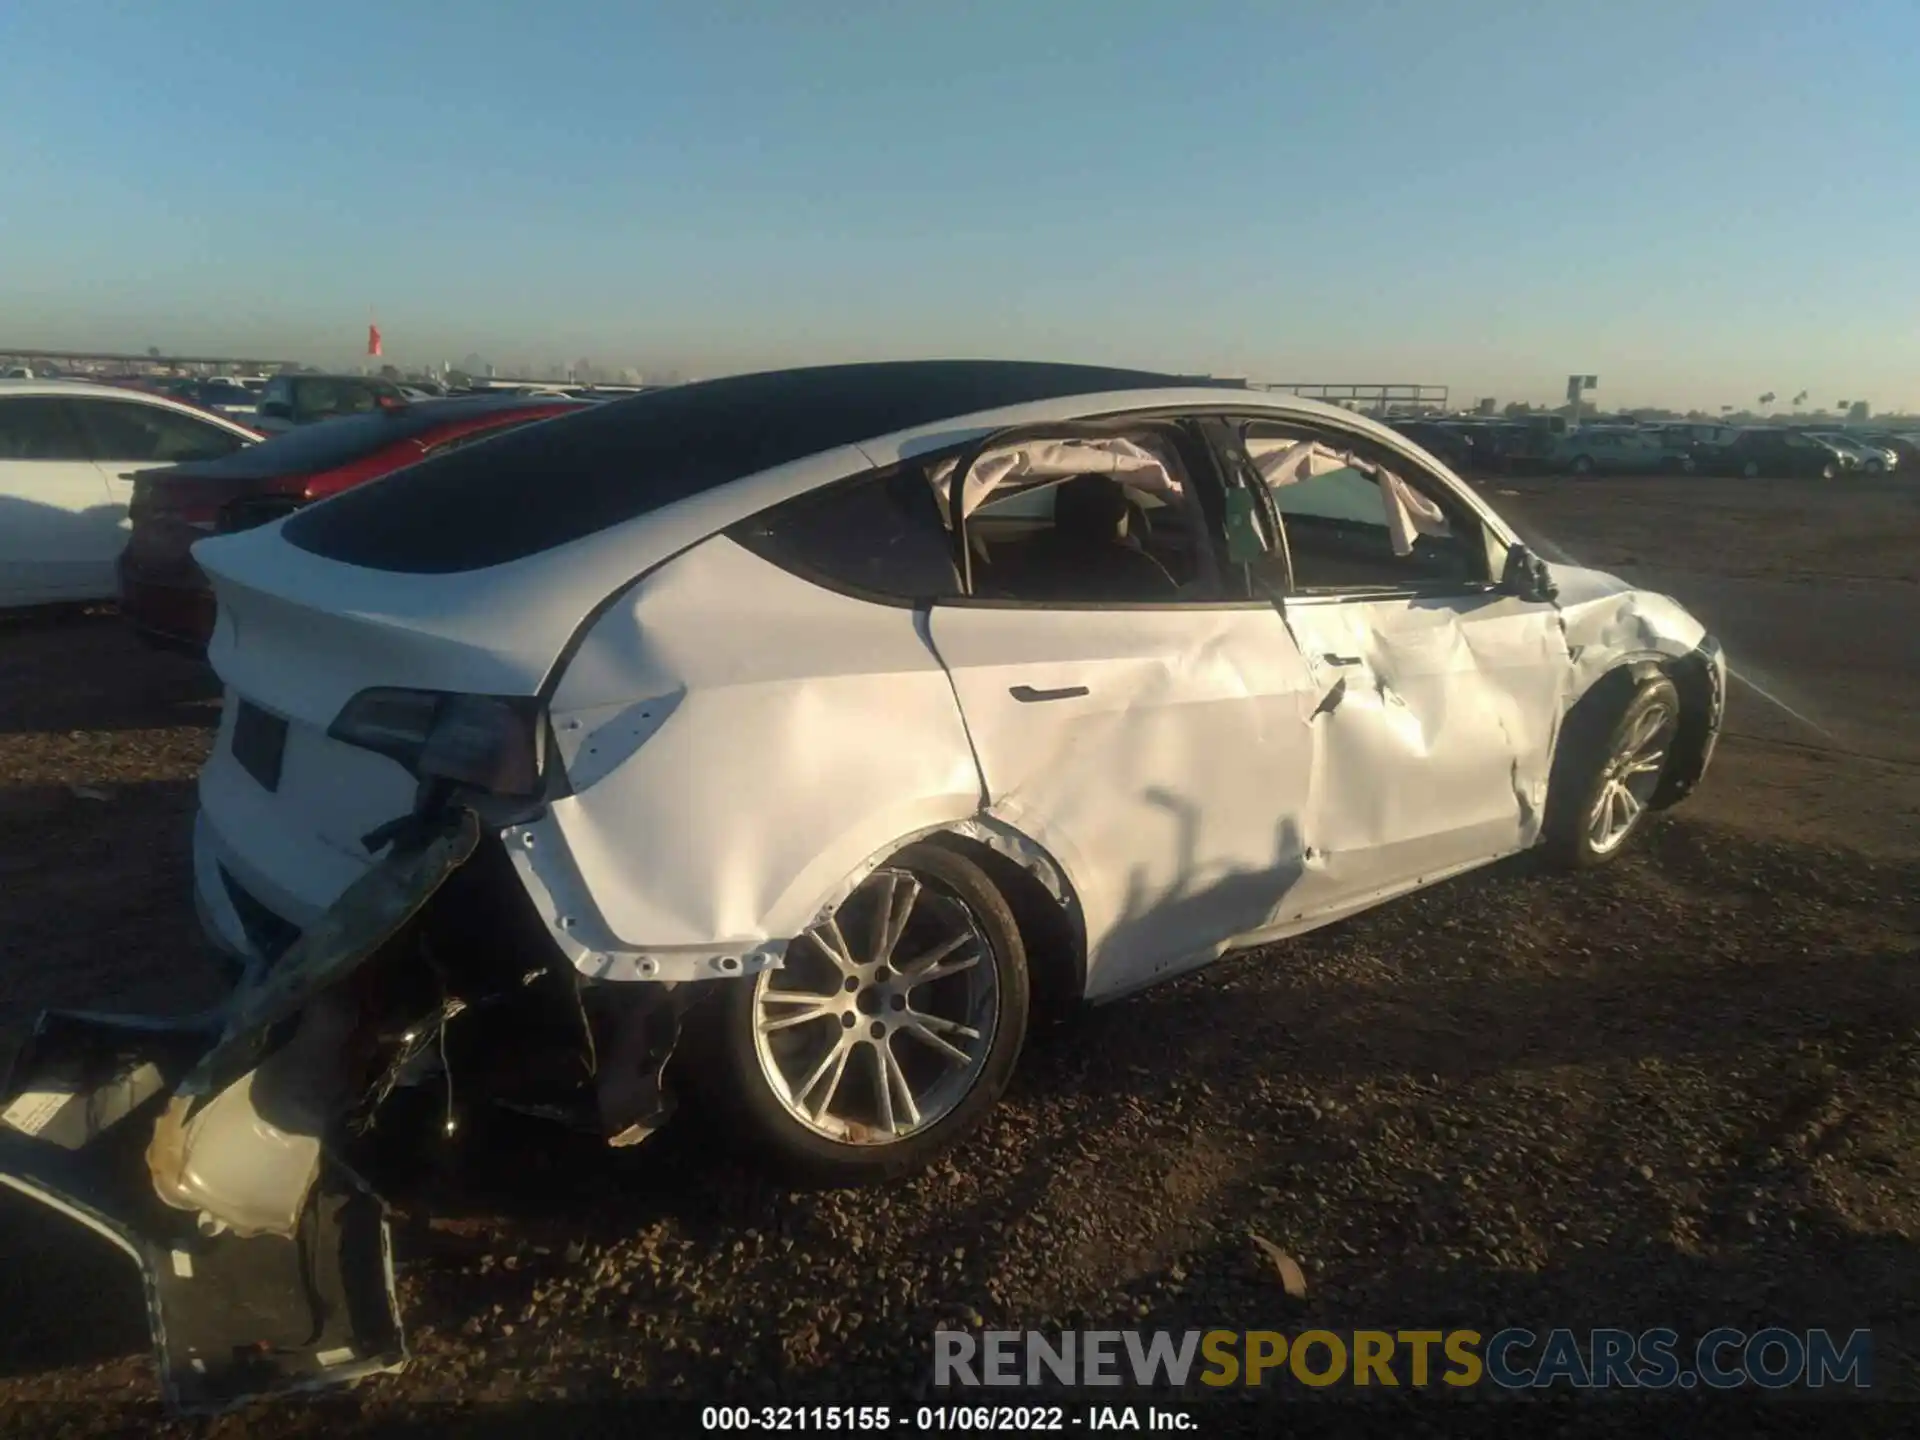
(1681, 1091)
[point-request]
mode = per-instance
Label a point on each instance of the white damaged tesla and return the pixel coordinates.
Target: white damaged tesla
(792, 742)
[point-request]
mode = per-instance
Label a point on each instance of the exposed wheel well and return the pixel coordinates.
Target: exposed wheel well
(1592, 714)
(1692, 677)
(1056, 954)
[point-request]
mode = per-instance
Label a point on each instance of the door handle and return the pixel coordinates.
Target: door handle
(1027, 695)
(1343, 659)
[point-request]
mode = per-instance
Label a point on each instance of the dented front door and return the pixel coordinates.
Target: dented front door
(1432, 735)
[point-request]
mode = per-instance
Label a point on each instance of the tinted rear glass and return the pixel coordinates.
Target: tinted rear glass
(546, 485)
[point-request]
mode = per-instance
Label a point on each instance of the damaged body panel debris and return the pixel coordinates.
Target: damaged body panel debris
(266, 1261)
(837, 720)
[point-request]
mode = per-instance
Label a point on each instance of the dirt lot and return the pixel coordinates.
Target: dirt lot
(1684, 1091)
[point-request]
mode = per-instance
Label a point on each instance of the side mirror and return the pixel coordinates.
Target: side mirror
(275, 410)
(1527, 576)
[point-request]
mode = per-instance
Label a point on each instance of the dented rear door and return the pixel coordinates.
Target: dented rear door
(1160, 754)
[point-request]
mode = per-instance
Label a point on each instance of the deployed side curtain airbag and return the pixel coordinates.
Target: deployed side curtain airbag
(1408, 514)
(1125, 460)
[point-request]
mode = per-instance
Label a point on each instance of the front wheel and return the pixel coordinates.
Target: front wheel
(888, 1034)
(1828, 471)
(1582, 465)
(1605, 780)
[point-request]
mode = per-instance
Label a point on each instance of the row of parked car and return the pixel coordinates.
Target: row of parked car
(105, 488)
(1673, 448)
(277, 403)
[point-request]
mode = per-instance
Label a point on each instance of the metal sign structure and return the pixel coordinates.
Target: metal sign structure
(10, 356)
(1374, 397)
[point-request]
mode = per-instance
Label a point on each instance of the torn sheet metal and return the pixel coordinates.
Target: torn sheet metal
(1038, 461)
(631, 1096)
(368, 913)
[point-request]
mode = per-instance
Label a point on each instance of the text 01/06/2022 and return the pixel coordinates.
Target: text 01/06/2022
(937, 1419)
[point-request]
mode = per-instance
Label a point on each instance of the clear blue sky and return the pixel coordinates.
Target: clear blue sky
(1695, 200)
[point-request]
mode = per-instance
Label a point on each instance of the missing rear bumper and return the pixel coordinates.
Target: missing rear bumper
(202, 1149)
(232, 1317)
(214, 1151)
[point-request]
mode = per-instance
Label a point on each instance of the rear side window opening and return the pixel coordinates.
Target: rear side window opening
(877, 537)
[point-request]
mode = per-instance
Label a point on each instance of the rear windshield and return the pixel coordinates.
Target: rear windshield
(544, 486)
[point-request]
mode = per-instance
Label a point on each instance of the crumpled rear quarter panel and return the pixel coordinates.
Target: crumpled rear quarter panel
(738, 742)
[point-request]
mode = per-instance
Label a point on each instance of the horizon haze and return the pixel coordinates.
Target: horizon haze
(1698, 203)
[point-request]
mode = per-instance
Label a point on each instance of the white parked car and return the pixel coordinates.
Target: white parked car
(793, 741)
(68, 453)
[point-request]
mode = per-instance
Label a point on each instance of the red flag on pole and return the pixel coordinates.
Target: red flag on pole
(373, 340)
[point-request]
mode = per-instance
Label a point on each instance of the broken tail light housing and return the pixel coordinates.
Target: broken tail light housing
(492, 743)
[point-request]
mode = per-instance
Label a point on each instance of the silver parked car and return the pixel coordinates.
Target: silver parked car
(1865, 455)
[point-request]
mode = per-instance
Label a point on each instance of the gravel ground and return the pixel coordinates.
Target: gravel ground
(1682, 1091)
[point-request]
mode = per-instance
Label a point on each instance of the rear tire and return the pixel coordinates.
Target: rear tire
(1751, 470)
(1607, 769)
(861, 1060)
(1582, 465)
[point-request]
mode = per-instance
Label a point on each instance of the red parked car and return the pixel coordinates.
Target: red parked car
(162, 591)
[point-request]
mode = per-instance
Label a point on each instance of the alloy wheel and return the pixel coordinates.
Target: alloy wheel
(1631, 775)
(882, 1018)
